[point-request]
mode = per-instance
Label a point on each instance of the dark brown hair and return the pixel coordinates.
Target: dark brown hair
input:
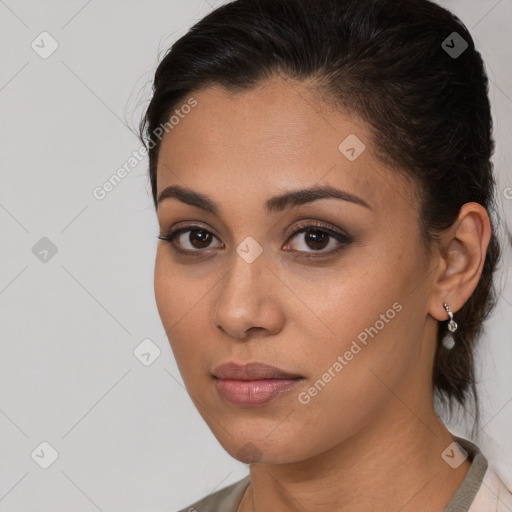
(394, 63)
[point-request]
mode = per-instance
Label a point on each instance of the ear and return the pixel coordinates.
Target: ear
(461, 258)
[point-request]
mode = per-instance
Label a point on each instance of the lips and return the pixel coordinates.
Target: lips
(252, 384)
(251, 371)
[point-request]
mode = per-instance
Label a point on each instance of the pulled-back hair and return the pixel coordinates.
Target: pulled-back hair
(394, 64)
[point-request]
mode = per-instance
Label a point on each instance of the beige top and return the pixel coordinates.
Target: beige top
(481, 490)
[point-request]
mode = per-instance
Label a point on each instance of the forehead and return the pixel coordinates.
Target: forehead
(268, 139)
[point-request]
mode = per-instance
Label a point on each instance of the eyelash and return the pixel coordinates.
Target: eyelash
(343, 239)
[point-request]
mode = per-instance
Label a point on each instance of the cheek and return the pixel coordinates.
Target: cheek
(371, 328)
(176, 294)
(353, 381)
(183, 306)
(165, 289)
(341, 303)
(174, 300)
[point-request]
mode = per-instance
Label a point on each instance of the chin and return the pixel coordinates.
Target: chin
(261, 449)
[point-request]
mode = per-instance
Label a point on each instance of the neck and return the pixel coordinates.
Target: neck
(393, 464)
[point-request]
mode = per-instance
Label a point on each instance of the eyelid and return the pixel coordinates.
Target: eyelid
(343, 239)
(170, 236)
(302, 226)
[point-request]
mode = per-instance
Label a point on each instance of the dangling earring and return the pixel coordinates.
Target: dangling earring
(452, 326)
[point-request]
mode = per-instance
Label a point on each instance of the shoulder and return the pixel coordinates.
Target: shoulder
(482, 489)
(493, 495)
(224, 500)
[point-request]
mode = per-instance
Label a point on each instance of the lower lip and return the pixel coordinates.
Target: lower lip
(251, 393)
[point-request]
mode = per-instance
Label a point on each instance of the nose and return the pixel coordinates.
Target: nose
(248, 301)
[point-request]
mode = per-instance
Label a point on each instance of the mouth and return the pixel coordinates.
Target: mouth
(252, 384)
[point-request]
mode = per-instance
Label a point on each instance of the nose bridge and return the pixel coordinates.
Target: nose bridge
(243, 283)
(245, 298)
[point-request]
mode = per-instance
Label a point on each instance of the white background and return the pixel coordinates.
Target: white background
(128, 437)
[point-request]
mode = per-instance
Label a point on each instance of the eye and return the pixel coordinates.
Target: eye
(199, 238)
(315, 237)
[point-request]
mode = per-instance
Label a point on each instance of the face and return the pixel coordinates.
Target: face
(333, 290)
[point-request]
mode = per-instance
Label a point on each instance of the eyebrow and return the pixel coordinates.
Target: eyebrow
(272, 205)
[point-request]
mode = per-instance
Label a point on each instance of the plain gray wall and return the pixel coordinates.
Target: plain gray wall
(127, 435)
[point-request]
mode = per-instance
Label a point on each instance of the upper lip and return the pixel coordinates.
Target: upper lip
(251, 371)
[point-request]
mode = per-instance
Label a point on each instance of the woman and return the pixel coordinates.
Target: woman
(322, 179)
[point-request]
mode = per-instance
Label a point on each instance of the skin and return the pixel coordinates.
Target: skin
(370, 440)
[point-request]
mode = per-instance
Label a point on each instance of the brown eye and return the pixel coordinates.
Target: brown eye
(201, 236)
(198, 238)
(312, 238)
(316, 239)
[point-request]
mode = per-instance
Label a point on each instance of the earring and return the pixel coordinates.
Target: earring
(452, 325)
